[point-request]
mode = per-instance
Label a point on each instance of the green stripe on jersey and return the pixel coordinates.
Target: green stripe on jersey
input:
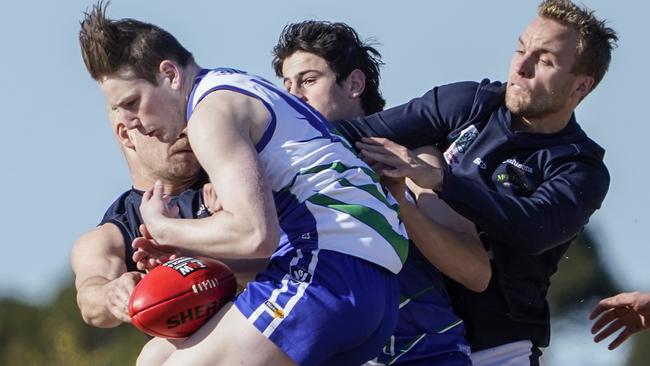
(370, 217)
(339, 167)
(372, 190)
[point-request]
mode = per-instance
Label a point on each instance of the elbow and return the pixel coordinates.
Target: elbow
(262, 242)
(479, 279)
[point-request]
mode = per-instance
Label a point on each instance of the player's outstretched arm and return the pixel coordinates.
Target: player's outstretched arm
(629, 311)
(102, 281)
(223, 130)
(445, 238)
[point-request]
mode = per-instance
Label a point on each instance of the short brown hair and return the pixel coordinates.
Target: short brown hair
(595, 42)
(108, 46)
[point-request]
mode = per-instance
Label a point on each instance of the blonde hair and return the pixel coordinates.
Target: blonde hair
(595, 42)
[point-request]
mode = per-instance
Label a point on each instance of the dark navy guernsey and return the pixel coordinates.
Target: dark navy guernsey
(125, 214)
(529, 194)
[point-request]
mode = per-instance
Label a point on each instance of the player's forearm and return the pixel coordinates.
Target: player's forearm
(552, 215)
(222, 235)
(91, 299)
(457, 255)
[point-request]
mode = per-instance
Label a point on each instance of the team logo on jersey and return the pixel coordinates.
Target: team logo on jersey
(274, 309)
(202, 211)
(511, 180)
(299, 274)
(454, 154)
(185, 265)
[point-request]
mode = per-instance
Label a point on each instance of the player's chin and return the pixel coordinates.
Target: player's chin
(184, 170)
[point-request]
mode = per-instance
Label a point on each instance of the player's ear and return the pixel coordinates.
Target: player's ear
(356, 83)
(171, 72)
(123, 136)
(584, 86)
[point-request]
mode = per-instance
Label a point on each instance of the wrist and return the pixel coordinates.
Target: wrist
(439, 180)
(158, 229)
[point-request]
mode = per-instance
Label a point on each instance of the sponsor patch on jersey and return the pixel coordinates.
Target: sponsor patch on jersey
(274, 309)
(519, 165)
(454, 154)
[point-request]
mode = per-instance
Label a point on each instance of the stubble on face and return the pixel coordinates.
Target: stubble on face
(536, 90)
(530, 105)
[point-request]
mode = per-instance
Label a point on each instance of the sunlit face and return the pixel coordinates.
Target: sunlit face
(311, 79)
(157, 111)
(170, 162)
(540, 81)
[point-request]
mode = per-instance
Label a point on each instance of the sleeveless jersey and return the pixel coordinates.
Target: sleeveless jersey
(125, 214)
(326, 197)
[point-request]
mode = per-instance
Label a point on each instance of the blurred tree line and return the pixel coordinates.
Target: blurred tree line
(54, 334)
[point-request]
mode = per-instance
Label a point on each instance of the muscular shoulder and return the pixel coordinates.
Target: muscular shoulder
(227, 109)
(105, 240)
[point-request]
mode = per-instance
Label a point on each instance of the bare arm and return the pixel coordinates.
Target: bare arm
(445, 238)
(102, 281)
(223, 130)
(459, 255)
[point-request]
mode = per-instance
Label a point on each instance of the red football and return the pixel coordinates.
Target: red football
(175, 299)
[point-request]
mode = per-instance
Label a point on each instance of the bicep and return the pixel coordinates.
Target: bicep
(221, 132)
(98, 253)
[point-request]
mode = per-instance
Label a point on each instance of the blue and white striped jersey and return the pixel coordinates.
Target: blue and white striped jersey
(325, 196)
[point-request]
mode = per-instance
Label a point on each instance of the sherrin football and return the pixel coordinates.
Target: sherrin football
(175, 299)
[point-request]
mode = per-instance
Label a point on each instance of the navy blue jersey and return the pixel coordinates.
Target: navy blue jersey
(125, 214)
(529, 195)
(428, 332)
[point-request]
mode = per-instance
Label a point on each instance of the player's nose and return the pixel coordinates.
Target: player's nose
(297, 91)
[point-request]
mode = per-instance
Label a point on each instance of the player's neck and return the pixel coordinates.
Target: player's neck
(190, 71)
(550, 123)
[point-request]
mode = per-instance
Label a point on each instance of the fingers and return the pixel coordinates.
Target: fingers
(622, 337)
(377, 141)
(158, 190)
(623, 299)
(145, 232)
(119, 293)
(609, 330)
(174, 211)
(605, 319)
(146, 196)
(599, 309)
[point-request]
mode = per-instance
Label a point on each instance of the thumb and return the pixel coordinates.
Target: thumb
(158, 189)
(145, 232)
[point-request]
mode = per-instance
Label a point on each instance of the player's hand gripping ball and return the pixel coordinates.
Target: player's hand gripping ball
(175, 299)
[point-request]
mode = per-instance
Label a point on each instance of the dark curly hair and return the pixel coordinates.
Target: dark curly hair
(341, 47)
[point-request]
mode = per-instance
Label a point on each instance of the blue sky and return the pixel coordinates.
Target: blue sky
(62, 168)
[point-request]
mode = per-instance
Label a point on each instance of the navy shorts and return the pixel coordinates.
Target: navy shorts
(323, 307)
